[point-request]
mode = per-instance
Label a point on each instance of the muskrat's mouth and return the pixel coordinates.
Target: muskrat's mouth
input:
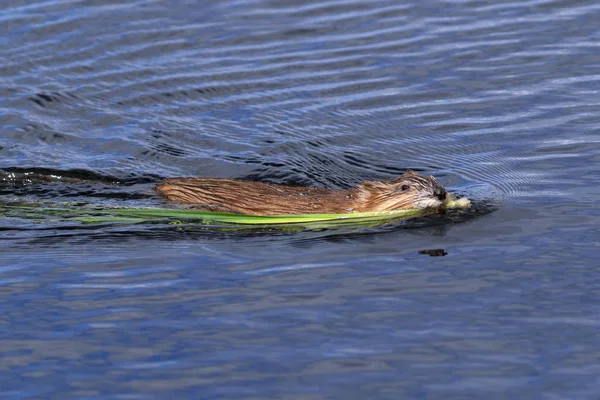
(429, 203)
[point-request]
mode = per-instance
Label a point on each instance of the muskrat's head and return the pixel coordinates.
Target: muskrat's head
(410, 190)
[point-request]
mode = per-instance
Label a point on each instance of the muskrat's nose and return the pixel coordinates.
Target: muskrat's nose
(440, 193)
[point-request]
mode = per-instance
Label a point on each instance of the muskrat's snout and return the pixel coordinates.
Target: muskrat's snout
(440, 193)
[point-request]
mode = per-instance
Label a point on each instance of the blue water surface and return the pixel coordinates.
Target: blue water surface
(101, 99)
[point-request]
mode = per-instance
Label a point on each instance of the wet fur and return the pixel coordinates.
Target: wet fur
(256, 198)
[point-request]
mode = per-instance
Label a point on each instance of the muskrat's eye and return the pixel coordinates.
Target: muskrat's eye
(404, 187)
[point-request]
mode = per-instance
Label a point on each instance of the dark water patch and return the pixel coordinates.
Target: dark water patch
(45, 99)
(22, 176)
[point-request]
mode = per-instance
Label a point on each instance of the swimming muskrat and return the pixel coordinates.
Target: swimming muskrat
(411, 190)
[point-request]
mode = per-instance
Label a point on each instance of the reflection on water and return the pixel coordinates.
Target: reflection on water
(100, 100)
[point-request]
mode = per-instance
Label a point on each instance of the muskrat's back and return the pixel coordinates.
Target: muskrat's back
(255, 198)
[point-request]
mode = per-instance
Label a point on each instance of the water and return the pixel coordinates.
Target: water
(498, 100)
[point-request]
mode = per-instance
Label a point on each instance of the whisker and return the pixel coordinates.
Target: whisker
(449, 180)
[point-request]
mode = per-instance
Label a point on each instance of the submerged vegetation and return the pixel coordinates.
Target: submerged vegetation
(89, 215)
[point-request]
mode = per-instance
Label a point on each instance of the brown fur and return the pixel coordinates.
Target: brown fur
(256, 198)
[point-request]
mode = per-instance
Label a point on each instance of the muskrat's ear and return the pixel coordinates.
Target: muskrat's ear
(404, 176)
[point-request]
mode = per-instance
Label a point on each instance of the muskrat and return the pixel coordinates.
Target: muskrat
(411, 190)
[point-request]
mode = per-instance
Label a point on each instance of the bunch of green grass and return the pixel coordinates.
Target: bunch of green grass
(135, 215)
